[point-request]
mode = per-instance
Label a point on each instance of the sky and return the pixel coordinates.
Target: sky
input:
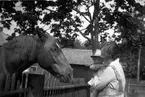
(111, 31)
(142, 2)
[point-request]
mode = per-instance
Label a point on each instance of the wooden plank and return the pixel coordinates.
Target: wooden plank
(16, 92)
(67, 87)
(8, 82)
(26, 80)
(36, 84)
(2, 82)
(18, 84)
(66, 91)
(51, 84)
(13, 83)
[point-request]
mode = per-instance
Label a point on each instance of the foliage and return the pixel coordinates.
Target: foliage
(59, 15)
(129, 62)
(128, 22)
(56, 14)
(124, 16)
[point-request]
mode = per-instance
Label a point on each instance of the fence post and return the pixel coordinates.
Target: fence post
(36, 84)
(88, 91)
(2, 81)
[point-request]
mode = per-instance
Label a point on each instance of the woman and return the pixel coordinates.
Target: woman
(110, 80)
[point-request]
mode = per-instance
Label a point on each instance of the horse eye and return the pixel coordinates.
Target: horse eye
(54, 49)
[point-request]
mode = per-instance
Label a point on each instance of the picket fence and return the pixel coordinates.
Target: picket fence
(42, 86)
(134, 89)
(76, 88)
(10, 87)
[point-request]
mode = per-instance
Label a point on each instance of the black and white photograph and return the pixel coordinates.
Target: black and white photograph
(72, 48)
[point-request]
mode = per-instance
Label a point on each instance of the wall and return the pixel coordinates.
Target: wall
(82, 71)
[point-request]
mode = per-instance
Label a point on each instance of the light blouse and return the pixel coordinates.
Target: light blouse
(109, 81)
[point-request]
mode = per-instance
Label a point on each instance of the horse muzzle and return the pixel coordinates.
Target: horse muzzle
(67, 78)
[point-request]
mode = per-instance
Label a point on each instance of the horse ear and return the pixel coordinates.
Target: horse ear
(42, 35)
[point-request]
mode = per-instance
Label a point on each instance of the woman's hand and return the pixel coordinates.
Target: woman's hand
(94, 93)
(96, 66)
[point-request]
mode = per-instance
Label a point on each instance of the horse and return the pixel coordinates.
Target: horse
(24, 50)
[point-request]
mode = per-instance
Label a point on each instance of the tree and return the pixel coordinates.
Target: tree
(56, 14)
(126, 17)
(123, 16)
(59, 14)
(92, 19)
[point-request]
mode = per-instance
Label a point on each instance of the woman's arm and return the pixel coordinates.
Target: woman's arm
(104, 79)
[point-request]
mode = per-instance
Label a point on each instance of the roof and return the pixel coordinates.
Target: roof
(78, 56)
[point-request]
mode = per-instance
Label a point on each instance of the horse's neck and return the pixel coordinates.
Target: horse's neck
(15, 59)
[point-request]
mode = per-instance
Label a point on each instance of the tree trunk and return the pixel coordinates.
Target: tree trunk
(138, 64)
(95, 27)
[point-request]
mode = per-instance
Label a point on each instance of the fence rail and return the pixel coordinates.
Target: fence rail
(11, 87)
(67, 91)
(15, 93)
(134, 89)
(49, 86)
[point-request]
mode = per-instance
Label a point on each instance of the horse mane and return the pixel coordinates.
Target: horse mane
(22, 47)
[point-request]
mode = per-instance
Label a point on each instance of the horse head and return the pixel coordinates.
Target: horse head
(25, 50)
(51, 58)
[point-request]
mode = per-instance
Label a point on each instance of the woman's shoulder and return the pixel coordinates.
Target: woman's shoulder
(115, 62)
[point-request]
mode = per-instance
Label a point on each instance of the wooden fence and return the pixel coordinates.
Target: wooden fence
(48, 86)
(76, 88)
(42, 86)
(10, 87)
(134, 89)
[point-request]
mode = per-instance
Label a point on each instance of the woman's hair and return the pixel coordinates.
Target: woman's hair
(111, 49)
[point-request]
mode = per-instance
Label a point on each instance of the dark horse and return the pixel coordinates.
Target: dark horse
(23, 51)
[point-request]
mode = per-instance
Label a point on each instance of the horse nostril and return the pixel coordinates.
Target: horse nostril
(70, 75)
